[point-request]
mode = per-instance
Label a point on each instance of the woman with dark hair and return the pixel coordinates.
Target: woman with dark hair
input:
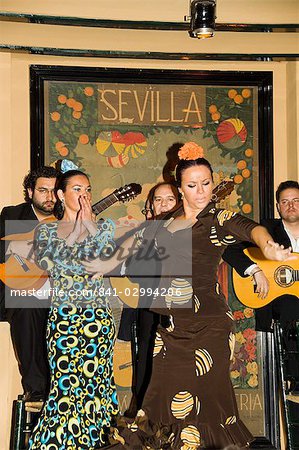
(80, 333)
(190, 402)
(162, 198)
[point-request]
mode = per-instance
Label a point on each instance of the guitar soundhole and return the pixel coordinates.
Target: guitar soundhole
(283, 276)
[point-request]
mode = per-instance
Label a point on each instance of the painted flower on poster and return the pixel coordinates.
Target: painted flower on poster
(248, 312)
(240, 338)
(252, 368)
(244, 368)
(235, 374)
(253, 381)
(238, 315)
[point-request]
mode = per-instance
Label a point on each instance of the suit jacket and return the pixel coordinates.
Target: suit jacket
(21, 213)
(235, 257)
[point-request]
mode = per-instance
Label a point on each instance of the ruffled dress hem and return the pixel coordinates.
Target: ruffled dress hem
(142, 434)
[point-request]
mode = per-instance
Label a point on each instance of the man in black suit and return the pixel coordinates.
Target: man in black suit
(285, 231)
(28, 324)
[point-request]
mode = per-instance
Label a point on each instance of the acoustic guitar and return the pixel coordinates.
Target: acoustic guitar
(20, 273)
(125, 289)
(283, 279)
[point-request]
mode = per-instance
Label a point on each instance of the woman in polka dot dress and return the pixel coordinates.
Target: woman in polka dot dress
(190, 402)
(80, 334)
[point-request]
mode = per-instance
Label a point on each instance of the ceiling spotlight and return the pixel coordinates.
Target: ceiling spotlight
(202, 18)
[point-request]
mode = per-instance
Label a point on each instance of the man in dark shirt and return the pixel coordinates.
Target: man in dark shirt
(28, 322)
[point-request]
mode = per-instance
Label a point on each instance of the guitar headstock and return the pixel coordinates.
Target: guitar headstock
(127, 192)
(123, 194)
(222, 190)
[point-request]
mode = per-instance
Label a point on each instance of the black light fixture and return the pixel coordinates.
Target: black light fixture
(202, 18)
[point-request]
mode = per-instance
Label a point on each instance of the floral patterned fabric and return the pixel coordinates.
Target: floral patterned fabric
(80, 336)
(190, 403)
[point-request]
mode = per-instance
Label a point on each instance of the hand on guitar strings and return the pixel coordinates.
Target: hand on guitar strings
(276, 252)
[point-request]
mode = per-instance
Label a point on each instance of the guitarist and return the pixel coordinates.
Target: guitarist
(28, 324)
(285, 231)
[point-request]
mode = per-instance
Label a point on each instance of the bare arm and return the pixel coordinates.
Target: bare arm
(269, 248)
(126, 249)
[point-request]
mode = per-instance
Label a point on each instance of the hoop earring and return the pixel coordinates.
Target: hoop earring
(214, 198)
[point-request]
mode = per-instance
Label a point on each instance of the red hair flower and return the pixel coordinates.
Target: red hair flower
(191, 150)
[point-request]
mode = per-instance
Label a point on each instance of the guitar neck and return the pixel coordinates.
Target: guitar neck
(222, 190)
(103, 204)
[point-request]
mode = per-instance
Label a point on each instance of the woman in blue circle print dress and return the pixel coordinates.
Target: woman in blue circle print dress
(82, 402)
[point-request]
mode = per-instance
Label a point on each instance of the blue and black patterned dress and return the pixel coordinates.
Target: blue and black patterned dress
(82, 402)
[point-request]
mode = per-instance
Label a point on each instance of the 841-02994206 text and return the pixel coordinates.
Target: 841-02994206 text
(102, 292)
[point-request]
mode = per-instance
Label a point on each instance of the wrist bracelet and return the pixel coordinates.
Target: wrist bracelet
(257, 271)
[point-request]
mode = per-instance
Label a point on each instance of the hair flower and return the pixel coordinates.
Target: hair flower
(191, 151)
(64, 165)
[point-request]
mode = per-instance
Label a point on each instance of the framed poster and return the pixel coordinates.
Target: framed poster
(122, 126)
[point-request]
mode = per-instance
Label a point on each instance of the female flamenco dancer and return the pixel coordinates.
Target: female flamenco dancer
(81, 331)
(190, 403)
